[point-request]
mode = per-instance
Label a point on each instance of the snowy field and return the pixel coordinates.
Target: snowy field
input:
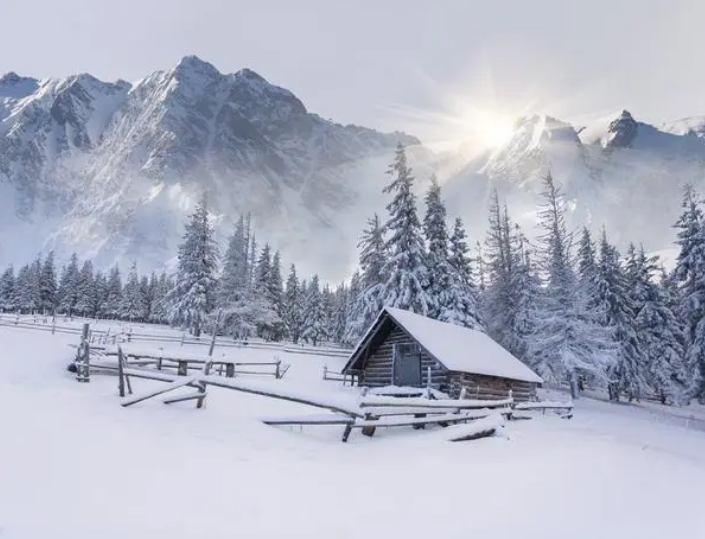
(74, 464)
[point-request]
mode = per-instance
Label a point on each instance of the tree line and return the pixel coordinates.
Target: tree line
(569, 305)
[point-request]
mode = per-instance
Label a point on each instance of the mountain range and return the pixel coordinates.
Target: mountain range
(111, 169)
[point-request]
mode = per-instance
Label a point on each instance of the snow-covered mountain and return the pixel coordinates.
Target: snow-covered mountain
(111, 169)
(617, 172)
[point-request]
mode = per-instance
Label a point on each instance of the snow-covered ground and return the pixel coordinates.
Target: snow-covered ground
(74, 464)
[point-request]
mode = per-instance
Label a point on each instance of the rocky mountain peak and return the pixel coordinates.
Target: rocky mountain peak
(621, 131)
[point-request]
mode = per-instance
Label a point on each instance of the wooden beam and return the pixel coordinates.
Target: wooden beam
(171, 387)
(183, 398)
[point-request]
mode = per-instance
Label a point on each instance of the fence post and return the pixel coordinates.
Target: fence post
(121, 373)
(83, 359)
(325, 372)
(53, 325)
(279, 362)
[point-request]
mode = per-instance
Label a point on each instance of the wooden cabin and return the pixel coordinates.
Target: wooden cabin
(403, 349)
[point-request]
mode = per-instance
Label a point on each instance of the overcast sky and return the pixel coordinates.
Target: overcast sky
(361, 61)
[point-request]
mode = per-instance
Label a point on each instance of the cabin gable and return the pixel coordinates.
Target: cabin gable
(379, 368)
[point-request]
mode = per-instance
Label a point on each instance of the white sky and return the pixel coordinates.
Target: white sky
(358, 61)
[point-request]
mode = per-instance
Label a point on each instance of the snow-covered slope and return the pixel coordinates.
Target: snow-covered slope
(72, 461)
(616, 172)
(111, 169)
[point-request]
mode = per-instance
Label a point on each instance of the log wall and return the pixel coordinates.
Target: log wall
(478, 386)
(378, 368)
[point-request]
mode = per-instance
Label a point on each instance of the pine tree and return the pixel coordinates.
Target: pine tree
(314, 320)
(276, 295)
(618, 317)
(132, 307)
(101, 294)
(587, 265)
(68, 286)
(368, 301)
(8, 297)
(113, 298)
(406, 271)
(689, 276)
(235, 280)
(86, 290)
(661, 334)
(192, 297)
(567, 342)
(48, 286)
(293, 306)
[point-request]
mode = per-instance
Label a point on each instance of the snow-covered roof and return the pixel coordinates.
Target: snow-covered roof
(462, 349)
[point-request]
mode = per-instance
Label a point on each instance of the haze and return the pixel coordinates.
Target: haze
(391, 64)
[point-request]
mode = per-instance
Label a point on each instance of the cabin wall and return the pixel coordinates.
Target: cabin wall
(377, 371)
(478, 386)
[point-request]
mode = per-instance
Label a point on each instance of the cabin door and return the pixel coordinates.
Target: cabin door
(407, 365)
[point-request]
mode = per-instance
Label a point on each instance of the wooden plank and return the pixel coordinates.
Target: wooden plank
(404, 422)
(183, 398)
(328, 419)
(490, 431)
(165, 389)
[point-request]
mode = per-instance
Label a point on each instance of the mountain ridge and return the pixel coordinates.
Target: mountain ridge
(112, 168)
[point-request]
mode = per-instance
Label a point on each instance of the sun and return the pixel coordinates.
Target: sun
(489, 128)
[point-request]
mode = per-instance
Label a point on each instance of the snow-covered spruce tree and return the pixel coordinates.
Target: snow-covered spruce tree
(85, 290)
(587, 265)
(8, 298)
(234, 281)
(341, 298)
(68, 286)
(192, 297)
(368, 301)
(526, 290)
(352, 312)
(405, 270)
(101, 294)
(276, 296)
(48, 286)
(234, 295)
(314, 320)
(293, 306)
(567, 342)
(497, 300)
(266, 318)
(464, 309)
(617, 312)
(439, 269)
(512, 286)
(27, 285)
(132, 299)
(660, 332)
(689, 277)
(113, 298)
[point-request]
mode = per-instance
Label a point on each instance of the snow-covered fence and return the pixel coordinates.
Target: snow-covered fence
(336, 376)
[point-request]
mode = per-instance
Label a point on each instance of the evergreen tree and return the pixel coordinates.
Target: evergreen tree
(68, 286)
(368, 301)
(112, 307)
(618, 317)
(86, 291)
(406, 271)
(101, 294)
(568, 342)
(293, 306)
(192, 297)
(235, 280)
(314, 320)
(661, 334)
(132, 299)
(587, 265)
(689, 277)
(48, 286)
(8, 297)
